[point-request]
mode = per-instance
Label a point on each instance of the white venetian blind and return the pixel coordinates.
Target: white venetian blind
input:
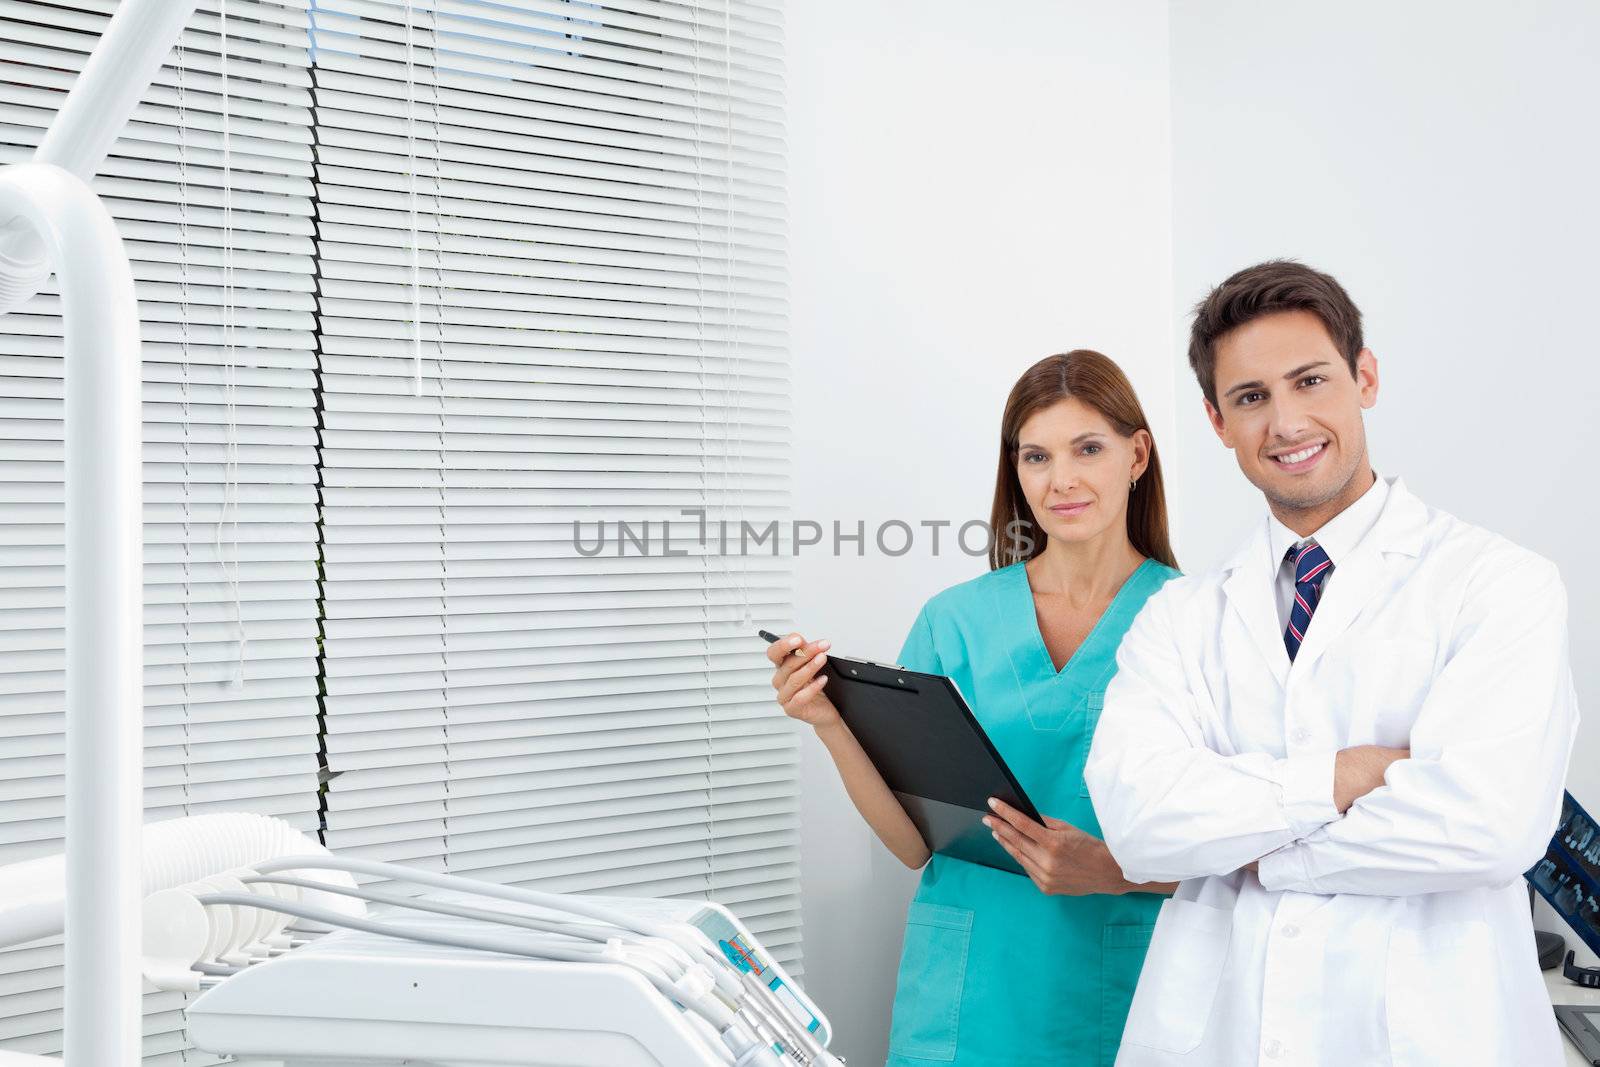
(223, 258)
(552, 289)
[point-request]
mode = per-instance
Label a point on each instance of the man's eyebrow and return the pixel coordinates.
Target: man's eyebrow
(1290, 376)
(1309, 366)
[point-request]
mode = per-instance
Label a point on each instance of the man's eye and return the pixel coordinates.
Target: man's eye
(1250, 398)
(1313, 379)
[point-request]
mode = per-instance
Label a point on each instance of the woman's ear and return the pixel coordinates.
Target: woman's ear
(1143, 443)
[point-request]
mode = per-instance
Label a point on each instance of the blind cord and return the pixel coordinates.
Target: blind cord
(230, 481)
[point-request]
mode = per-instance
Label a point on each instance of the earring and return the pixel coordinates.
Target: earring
(1133, 485)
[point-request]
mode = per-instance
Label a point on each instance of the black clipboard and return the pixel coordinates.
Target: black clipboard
(931, 751)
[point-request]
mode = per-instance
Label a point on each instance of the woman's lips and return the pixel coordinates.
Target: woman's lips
(1067, 511)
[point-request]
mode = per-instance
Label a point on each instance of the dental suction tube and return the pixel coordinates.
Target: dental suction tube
(690, 940)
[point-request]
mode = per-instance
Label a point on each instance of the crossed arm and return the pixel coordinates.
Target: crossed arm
(1357, 771)
(1471, 803)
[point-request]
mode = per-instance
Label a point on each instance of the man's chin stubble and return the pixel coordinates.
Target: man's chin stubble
(1307, 501)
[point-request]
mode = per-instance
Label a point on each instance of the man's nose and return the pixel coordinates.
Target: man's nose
(1289, 418)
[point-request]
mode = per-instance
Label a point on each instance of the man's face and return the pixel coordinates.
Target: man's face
(1290, 410)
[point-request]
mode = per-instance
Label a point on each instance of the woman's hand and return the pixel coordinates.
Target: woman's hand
(798, 684)
(1060, 858)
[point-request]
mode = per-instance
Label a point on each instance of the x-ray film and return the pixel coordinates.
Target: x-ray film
(1569, 875)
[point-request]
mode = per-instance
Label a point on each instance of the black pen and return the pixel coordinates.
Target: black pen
(770, 638)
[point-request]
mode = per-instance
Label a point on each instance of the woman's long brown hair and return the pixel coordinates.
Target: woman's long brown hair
(1097, 381)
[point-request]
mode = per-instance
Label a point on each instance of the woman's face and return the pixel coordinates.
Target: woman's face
(1075, 468)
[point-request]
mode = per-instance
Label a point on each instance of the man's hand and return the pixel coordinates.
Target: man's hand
(1060, 858)
(1358, 771)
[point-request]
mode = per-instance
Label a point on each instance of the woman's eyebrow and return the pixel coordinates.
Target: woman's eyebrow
(1082, 437)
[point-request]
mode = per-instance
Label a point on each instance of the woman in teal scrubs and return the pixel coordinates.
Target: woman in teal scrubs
(1001, 970)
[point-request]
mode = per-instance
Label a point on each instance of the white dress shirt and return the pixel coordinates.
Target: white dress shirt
(1397, 934)
(1337, 537)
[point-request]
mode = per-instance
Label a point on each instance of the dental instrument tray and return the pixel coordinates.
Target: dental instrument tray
(923, 738)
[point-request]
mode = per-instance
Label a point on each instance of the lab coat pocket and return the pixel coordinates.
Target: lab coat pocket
(1091, 718)
(1442, 996)
(1122, 951)
(933, 971)
(1181, 973)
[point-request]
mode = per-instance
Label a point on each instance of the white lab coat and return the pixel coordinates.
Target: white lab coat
(1398, 933)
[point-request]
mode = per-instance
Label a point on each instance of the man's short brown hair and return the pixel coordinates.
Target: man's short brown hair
(1265, 289)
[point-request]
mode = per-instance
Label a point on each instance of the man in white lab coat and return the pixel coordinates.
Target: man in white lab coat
(1347, 744)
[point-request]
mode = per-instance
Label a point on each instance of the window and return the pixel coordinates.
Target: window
(473, 284)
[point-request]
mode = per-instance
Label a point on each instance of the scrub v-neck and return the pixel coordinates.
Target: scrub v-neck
(1042, 667)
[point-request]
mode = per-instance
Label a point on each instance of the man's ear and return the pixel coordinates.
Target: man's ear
(1216, 422)
(1367, 377)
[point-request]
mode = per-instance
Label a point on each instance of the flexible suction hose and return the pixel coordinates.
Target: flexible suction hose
(175, 853)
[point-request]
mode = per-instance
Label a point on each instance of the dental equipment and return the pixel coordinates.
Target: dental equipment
(298, 963)
(51, 219)
(634, 983)
(672, 983)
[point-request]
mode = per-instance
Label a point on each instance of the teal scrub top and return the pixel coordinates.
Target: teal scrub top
(995, 973)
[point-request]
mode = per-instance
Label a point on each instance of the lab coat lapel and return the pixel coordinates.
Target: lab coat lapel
(1357, 580)
(1249, 588)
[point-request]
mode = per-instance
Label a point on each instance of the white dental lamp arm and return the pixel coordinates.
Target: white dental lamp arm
(136, 42)
(51, 219)
(105, 600)
(131, 51)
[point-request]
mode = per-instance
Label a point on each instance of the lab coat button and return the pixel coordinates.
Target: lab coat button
(1291, 930)
(1302, 735)
(1273, 1049)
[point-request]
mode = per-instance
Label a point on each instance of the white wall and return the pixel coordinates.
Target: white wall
(968, 195)
(1434, 157)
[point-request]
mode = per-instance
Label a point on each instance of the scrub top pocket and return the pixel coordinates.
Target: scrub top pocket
(933, 971)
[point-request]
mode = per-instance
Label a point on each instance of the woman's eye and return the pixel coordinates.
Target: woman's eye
(1031, 456)
(1092, 450)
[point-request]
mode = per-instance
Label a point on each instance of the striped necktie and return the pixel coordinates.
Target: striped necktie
(1311, 569)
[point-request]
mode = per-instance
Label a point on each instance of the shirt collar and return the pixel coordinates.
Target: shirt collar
(1340, 534)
